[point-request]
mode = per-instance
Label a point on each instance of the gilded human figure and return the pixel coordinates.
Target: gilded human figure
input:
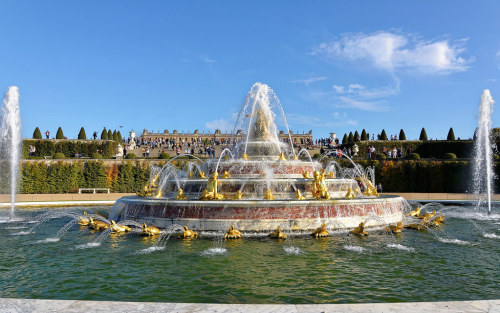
(320, 188)
(262, 124)
(211, 192)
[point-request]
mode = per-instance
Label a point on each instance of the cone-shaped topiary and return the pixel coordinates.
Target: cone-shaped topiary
(59, 134)
(37, 134)
(345, 139)
(423, 135)
(110, 135)
(383, 135)
(104, 134)
(402, 135)
(350, 138)
(120, 138)
(82, 135)
(356, 136)
(115, 135)
(451, 134)
(363, 135)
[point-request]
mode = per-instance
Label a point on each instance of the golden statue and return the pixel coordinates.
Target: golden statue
(187, 233)
(202, 174)
(180, 195)
(360, 230)
(115, 228)
(306, 175)
(232, 233)
(415, 212)
(282, 156)
(244, 156)
(350, 194)
(262, 124)
(238, 195)
(370, 190)
(97, 225)
(295, 157)
(211, 191)
(269, 195)
(226, 174)
(298, 195)
(395, 228)
(427, 215)
(277, 234)
(319, 187)
(331, 175)
(321, 231)
(84, 221)
(226, 157)
(158, 194)
(191, 174)
(149, 230)
(416, 226)
(438, 221)
(148, 189)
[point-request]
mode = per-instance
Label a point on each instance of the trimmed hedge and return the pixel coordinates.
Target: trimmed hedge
(69, 147)
(450, 156)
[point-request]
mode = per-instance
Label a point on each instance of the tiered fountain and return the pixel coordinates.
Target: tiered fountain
(259, 184)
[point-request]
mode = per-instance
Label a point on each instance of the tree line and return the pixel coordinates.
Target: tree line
(383, 136)
(105, 134)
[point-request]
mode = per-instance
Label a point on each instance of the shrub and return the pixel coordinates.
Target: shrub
(130, 156)
(164, 156)
(380, 156)
(37, 134)
(96, 155)
(402, 135)
(414, 156)
(450, 156)
(383, 135)
(58, 155)
(423, 134)
(59, 134)
(69, 147)
(82, 135)
(317, 156)
(451, 135)
(104, 134)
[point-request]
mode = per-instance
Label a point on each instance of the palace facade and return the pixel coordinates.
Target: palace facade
(218, 137)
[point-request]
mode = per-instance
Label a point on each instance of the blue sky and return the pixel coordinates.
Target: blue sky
(337, 66)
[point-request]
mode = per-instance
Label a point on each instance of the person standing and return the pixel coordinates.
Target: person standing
(47, 134)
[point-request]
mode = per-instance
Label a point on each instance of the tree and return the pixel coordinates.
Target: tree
(82, 135)
(451, 135)
(383, 135)
(120, 138)
(363, 135)
(104, 134)
(59, 134)
(356, 136)
(423, 135)
(110, 135)
(115, 135)
(475, 133)
(402, 135)
(37, 134)
(345, 139)
(351, 137)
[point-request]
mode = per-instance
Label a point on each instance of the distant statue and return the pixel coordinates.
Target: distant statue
(262, 125)
(211, 192)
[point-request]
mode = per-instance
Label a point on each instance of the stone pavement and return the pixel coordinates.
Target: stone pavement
(8, 305)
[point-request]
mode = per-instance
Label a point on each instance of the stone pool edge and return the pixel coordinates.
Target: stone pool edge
(40, 305)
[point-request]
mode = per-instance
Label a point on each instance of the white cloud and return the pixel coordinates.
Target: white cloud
(390, 51)
(310, 80)
(337, 120)
(224, 124)
(357, 96)
(339, 89)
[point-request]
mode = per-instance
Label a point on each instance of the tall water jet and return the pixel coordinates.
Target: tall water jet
(10, 142)
(483, 155)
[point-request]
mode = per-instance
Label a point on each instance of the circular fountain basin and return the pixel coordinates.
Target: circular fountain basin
(262, 215)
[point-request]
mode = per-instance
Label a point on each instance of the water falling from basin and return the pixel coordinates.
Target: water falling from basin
(10, 142)
(483, 167)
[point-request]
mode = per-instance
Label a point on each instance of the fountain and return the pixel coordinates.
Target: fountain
(483, 155)
(10, 142)
(264, 186)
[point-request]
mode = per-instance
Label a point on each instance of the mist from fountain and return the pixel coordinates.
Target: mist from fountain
(10, 142)
(483, 154)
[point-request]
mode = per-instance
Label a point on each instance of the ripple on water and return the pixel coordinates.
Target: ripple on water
(88, 245)
(455, 241)
(491, 235)
(355, 249)
(47, 240)
(214, 251)
(150, 250)
(21, 233)
(292, 250)
(400, 247)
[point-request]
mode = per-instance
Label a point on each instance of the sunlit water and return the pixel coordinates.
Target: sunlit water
(459, 261)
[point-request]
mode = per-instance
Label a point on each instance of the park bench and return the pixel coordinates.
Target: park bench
(47, 157)
(94, 190)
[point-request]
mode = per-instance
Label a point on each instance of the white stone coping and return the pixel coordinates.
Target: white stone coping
(58, 203)
(9, 305)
